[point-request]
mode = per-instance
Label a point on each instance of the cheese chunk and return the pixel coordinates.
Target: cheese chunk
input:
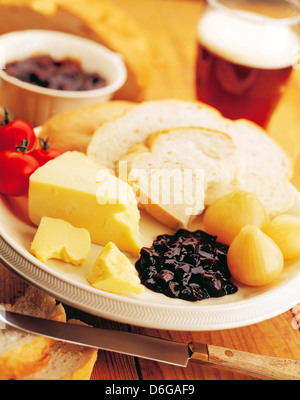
(113, 272)
(75, 189)
(56, 238)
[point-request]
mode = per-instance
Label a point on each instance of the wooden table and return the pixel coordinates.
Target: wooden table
(170, 26)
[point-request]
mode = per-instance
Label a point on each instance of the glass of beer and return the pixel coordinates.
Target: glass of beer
(246, 53)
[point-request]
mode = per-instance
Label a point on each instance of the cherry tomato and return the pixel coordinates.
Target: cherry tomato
(45, 153)
(14, 133)
(15, 170)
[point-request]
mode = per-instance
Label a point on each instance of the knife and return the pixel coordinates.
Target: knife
(153, 348)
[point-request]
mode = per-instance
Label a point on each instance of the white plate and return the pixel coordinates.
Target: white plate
(68, 284)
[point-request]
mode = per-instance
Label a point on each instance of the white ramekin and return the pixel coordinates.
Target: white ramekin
(37, 104)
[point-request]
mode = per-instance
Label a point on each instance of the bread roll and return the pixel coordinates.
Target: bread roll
(72, 130)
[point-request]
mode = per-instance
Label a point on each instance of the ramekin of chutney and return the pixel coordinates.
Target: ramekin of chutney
(45, 72)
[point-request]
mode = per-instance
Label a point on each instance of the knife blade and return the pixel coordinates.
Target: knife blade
(156, 349)
(116, 341)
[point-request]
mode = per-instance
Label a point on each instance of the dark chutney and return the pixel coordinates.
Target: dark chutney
(44, 71)
(187, 265)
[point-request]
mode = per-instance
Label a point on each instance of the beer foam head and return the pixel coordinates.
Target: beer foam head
(243, 40)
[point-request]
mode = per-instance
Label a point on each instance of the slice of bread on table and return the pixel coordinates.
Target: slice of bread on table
(166, 172)
(266, 167)
(97, 20)
(23, 353)
(26, 356)
(117, 137)
(72, 130)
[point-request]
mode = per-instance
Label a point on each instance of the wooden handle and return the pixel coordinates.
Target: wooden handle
(254, 364)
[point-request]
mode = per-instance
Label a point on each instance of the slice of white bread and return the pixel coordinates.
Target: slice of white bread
(26, 356)
(165, 173)
(97, 20)
(23, 353)
(68, 362)
(72, 130)
(267, 168)
(114, 139)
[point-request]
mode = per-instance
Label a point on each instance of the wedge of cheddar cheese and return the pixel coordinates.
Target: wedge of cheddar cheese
(79, 191)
